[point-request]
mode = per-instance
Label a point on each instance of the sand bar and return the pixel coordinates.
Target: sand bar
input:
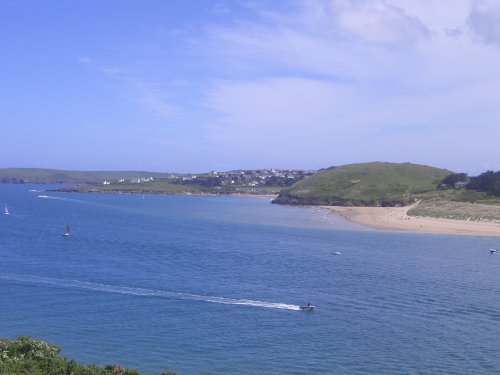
(397, 219)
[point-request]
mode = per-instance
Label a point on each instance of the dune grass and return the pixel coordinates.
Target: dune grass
(459, 205)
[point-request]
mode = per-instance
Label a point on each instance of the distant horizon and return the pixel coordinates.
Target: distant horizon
(226, 170)
(190, 85)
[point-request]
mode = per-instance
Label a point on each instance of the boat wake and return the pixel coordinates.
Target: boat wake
(64, 283)
(51, 197)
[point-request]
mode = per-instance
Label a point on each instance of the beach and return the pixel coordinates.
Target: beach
(397, 219)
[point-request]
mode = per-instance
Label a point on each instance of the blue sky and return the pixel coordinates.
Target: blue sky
(217, 85)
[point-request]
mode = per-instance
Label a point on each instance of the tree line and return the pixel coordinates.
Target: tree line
(487, 182)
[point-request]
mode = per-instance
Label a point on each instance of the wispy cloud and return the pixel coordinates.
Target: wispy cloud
(371, 21)
(350, 73)
(341, 81)
(150, 96)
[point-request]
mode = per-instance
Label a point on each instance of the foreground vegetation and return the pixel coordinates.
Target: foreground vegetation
(28, 356)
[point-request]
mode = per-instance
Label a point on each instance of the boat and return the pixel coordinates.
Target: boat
(494, 251)
(307, 307)
(6, 210)
(66, 232)
(336, 253)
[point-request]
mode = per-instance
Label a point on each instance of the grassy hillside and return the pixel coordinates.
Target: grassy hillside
(51, 176)
(367, 184)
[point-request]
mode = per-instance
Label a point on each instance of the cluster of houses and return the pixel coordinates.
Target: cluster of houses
(251, 178)
(135, 180)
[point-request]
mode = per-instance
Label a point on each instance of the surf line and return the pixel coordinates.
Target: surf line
(97, 287)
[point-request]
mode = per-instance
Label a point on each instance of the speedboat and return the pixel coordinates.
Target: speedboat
(307, 307)
(494, 251)
(336, 253)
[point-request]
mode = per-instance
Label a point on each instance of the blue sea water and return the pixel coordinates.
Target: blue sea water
(212, 285)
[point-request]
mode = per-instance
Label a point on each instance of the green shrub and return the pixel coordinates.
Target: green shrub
(28, 356)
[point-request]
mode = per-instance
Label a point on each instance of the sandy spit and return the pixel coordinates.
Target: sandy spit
(397, 219)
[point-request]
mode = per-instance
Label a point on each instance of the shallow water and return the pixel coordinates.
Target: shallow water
(212, 285)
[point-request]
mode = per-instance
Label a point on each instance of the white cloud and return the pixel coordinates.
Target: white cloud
(453, 33)
(336, 81)
(484, 20)
(373, 21)
(276, 106)
(355, 101)
(438, 16)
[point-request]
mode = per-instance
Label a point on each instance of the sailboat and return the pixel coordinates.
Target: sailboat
(66, 232)
(6, 210)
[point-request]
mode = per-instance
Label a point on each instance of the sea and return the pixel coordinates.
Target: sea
(205, 285)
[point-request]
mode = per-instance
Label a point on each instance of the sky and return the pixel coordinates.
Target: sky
(199, 85)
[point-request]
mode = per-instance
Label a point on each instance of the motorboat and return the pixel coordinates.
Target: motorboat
(307, 307)
(336, 253)
(494, 251)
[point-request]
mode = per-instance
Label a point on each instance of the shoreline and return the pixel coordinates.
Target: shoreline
(378, 218)
(178, 193)
(397, 219)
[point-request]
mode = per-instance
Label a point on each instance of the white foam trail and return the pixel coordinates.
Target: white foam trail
(146, 292)
(52, 197)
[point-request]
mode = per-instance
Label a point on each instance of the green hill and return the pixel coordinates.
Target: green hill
(51, 176)
(367, 184)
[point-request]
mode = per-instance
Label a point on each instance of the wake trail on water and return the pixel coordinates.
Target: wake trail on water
(53, 197)
(86, 202)
(146, 292)
(71, 200)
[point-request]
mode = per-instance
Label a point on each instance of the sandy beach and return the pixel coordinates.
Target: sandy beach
(396, 218)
